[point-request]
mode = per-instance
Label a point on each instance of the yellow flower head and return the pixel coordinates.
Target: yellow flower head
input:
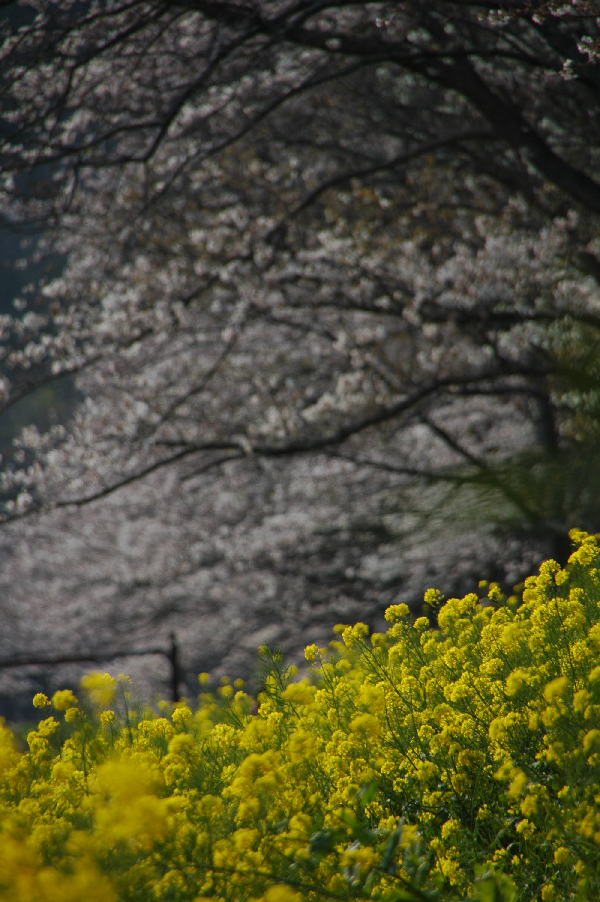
(181, 744)
(40, 700)
(100, 687)
(301, 693)
(355, 634)
(47, 727)
(367, 724)
(281, 894)
(63, 699)
(62, 770)
(517, 786)
(516, 681)
(433, 597)
(181, 715)
(591, 740)
(556, 688)
(311, 652)
(301, 746)
(396, 612)
(594, 675)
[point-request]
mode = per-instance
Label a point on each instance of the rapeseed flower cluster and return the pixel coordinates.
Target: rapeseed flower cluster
(454, 761)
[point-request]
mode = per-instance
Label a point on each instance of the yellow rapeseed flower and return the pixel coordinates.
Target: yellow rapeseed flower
(281, 894)
(311, 652)
(100, 687)
(107, 717)
(368, 724)
(396, 612)
(182, 714)
(64, 699)
(556, 688)
(518, 784)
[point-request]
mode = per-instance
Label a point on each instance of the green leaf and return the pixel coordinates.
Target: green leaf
(387, 860)
(492, 887)
(322, 841)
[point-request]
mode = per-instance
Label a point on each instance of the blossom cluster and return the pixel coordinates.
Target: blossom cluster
(448, 761)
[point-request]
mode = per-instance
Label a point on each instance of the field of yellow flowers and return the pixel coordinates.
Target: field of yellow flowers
(450, 762)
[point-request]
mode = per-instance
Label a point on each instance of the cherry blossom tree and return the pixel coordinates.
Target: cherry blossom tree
(331, 301)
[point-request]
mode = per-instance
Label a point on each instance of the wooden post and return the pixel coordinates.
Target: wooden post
(173, 656)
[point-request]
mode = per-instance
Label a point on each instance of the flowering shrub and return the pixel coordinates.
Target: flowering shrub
(427, 763)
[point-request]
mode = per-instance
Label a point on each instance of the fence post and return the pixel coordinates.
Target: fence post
(175, 680)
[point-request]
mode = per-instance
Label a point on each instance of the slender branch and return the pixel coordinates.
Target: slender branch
(213, 464)
(486, 471)
(510, 125)
(365, 171)
(128, 480)
(31, 387)
(394, 469)
(202, 385)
